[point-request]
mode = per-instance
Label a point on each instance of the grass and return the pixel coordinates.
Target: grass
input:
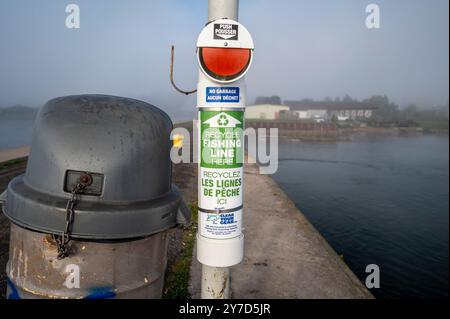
(178, 277)
(13, 162)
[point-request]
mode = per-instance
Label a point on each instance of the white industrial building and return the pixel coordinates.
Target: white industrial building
(310, 114)
(264, 111)
(308, 109)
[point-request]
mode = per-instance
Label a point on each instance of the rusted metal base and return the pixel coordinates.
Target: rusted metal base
(94, 270)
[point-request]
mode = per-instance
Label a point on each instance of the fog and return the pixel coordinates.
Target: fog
(304, 49)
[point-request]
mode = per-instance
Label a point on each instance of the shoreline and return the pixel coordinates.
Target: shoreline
(344, 134)
(393, 130)
(13, 153)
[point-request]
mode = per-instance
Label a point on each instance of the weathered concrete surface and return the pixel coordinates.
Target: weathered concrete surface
(285, 257)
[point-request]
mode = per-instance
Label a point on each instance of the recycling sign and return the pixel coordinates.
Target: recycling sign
(221, 173)
(221, 139)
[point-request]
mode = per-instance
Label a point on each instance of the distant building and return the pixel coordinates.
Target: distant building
(319, 111)
(288, 115)
(308, 109)
(302, 114)
(264, 111)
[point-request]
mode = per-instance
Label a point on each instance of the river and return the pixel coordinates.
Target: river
(380, 200)
(15, 133)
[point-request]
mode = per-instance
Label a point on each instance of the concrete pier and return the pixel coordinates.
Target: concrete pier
(285, 256)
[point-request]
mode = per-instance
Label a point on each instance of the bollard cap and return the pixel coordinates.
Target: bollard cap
(119, 148)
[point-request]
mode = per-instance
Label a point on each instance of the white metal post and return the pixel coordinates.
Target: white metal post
(225, 53)
(216, 280)
(221, 9)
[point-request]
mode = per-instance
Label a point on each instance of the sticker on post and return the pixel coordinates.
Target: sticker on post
(220, 188)
(222, 94)
(226, 31)
(221, 226)
(221, 139)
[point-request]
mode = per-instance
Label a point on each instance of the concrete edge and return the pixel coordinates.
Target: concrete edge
(301, 218)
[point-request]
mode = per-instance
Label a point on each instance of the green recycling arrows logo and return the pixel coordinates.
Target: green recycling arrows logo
(223, 119)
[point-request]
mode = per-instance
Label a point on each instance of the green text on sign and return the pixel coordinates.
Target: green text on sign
(221, 139)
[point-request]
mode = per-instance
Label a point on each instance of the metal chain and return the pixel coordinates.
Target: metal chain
(63, 240)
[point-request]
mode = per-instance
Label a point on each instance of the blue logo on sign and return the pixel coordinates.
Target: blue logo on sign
(222, 94)
(226, 219)
(221, 219)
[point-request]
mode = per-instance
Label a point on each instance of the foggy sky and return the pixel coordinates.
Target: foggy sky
(304, 49)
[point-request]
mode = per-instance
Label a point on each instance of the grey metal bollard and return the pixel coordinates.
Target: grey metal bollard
(90, 216)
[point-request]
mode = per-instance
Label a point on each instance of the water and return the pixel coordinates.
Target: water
(15, 133)
(378, 200)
